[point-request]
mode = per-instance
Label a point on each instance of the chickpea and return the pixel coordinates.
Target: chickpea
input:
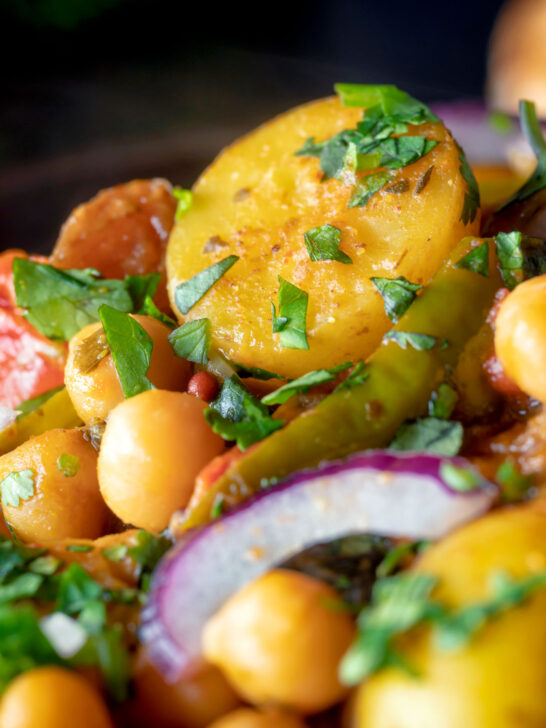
(520, 336)
(191, 702)
(279, 641)
(97, 391)
(250, 718)
(153, 447)
(52, 697)
(60, 496)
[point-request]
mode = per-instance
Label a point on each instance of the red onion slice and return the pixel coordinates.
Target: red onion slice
(379, 492)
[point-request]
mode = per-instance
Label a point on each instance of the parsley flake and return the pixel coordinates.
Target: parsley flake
(290, 324)
(429, 434)
(68, 464)
(17, 487)
(398, 295)
(131, 347)
(191, 341)
(187, 294)
(304, 383)
(476, 261)
(323, 244)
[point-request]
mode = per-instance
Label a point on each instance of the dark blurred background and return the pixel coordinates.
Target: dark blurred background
(98, 91)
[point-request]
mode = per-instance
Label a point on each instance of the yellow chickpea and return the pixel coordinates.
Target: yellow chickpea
(52, 697)
(279, 640)
(95, 392)
(153, 447)
(191, 702)
(520, 336)
(250, 718)
(50, 489)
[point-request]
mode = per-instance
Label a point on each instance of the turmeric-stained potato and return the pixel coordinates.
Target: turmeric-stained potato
(90, 374)
(279, 641)
(121, 231)
(50, 489)
(258, 199)
(499, 679)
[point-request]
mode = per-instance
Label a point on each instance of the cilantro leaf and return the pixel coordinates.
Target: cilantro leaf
(398, 295)
(390, 99)
(477, 260)
(420, 342)
(442, 401)
(184, 201)
(514, 486)
(140, 288)
(17, 486)
(150, 309)
(510, 255)
(460, 479)
(147, 552)
(429, 434)
(311, 148)
(237, 415)
(31, 405)
(191, 341)
(356, 377)
(187, 294)
(471, 201)
(368, 186)
(68, 464)
(323, 244)
(61, 302)
(131, 347)
(398, 152)
(304, 383)
(254, 372)
(290, 324)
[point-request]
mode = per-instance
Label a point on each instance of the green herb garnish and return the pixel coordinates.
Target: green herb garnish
(184, 201)
(31, 405)
(79, 548)
(191, 341)
(150, 309)
(131, 348)
(323, 244)
(442, 401)
(356, 377)
(115, 553)
(392, 101)
(429, 434)
(187, 294)
(391, 561)
(368, 186)
(17, 487)
(398, 294)
(460, 479)
(477, 260)
(420, 342)
(514, 486)
(217, 508)
(304, 383)
(237, 415)
(255, 372)
(68, 464)
(290, 324)
(510, 255)
(471, 202)
(141, 288)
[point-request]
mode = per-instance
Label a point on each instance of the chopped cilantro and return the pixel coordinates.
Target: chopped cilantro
(356, 377)
(398, 295)
(79, 548)
(500, 122)
(420, 342)
(510, 255)
(59, 303)
(514, 486)
(442, 401)
(471, 201)
(304, 383)
(150, 309)
(459, 478)
(147, 552)
(290, 324)
(31, 405)
(323, 244)
(45, 565)
(476, 261)
(187, 294)
(184, 201)
(392, 560)
(391, 100)
(237, 415)
(429, 434)
(368, 186)
(191, 341)
(254, 372)
(131, 347)
(17, 487)
(140, 288)
(217, 507)
(68, 464)
(398, 152)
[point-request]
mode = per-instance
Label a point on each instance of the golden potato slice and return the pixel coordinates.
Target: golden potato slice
(257, 200)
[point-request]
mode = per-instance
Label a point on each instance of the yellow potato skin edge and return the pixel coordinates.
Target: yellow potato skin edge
(499, 679)
(256, 201)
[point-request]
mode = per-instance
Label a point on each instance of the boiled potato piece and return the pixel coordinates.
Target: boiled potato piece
(258, 199)
(499, 679)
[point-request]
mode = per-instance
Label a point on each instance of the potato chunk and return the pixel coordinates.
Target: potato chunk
(257, 200)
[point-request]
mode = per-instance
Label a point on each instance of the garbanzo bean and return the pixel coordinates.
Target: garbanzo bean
(97, 390)
(280, 641)
(250, 718)
(52, 697)
(153, 447)
(50, 489)
(520, 336)
(191, 702)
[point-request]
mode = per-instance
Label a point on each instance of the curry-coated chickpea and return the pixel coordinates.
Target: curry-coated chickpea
(50, 489)
(90, 374)
(251, 718)
(193, 701)
(280, 639)
(520, 336)
(52, 697)
(153, 447)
